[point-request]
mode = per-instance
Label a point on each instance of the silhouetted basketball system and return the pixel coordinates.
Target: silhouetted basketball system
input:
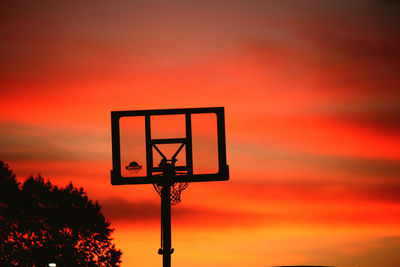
(168, 148)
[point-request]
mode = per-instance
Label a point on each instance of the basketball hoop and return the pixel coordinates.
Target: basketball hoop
(168, 179)
(168, 166)
(176, 190)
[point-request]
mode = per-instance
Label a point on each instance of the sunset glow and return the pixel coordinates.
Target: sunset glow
(311, 92)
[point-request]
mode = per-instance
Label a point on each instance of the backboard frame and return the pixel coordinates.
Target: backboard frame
(223, 169)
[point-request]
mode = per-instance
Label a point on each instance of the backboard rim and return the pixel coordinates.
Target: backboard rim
(223, 168)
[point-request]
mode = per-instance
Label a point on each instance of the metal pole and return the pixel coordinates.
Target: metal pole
(166, 250)
(166, 224)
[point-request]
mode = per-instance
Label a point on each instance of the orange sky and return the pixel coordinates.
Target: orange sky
(311, 96)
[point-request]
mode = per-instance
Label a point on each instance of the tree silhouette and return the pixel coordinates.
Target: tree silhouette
(42, 223)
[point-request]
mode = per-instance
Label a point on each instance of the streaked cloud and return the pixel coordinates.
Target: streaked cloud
(21, 141)
(121, 210)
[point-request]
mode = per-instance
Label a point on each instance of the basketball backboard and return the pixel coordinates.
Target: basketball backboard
(194, 138)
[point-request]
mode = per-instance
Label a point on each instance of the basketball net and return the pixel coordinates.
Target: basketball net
(176, 190)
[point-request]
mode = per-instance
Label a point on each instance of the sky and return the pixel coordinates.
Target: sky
(311, 92)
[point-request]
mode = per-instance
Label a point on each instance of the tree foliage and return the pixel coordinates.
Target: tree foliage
(42, 223)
